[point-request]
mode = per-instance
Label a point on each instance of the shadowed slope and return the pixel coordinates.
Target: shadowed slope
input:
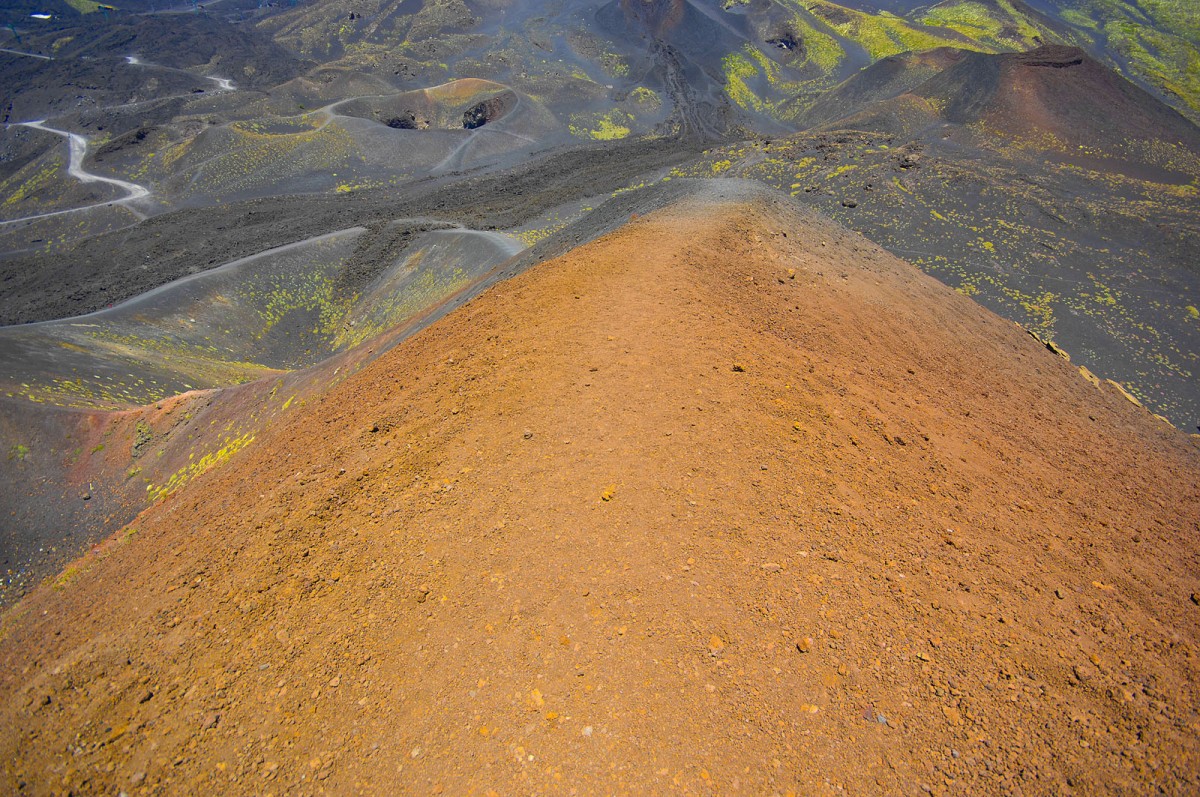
(881, 81)
(727, 499)
(1052, 190)
(1055, 96)
(1057, 90)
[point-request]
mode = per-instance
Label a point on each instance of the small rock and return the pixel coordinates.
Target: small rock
(137, 777)
(738, 368)
(804, 644)
(1082, 672)
(609, 493)
(1058, 593)
(145, 698)
(587, 731)
(422, 593)
(210, 722)
(1196, 598)
(715, 645)
(335, 681)
(849, 203)
(771, 567)
(527, 434)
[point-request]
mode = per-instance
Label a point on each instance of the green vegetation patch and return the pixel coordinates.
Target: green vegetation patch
(84, 6)
(610, 126)
(1000, 28)
(231, 446)
(883, 34)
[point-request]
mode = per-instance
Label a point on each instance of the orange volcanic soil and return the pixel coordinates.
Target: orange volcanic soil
(727, 501)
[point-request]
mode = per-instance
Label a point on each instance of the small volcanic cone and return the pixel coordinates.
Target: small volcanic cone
(1057, 90)
(657, 16)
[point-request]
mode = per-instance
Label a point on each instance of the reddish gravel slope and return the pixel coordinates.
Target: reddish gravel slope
(727, 501)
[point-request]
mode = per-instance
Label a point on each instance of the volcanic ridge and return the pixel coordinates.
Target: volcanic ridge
(728, 499)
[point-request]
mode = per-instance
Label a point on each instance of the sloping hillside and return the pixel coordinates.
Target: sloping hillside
(1060, 91)
(1044, 185)
(728, 500)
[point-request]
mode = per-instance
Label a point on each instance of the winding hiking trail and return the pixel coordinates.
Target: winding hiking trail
(223, 84)
(77, 147)
(27, 55)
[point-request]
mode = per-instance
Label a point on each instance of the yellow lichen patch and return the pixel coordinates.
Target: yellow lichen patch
(1089, 376)
(1001, 27)
(883, 34)
(427, 290)
(1121, 389)
(69, 574)
(197, 467)
(738, 70)
(602, 127)
(31, 180)
(84, 6)
(646, 98)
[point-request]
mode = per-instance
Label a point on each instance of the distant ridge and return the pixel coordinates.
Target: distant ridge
(1052, 90)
